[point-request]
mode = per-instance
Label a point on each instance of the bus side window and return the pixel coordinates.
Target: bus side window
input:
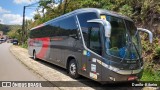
(68, 27)
(83, 18)
(54, 27)
(94, 38)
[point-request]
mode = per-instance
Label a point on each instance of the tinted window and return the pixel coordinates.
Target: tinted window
(91, 31)
(68, 27)
(34, 33)
(54, 27)
(94, 38)
(83, 18)
(135, 38)
(65, 27)
(44, 31)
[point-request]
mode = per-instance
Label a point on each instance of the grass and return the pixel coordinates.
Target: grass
(24, 46)
(150, 75)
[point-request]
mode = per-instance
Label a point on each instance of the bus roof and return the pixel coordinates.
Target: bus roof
(83, 10)
(102, 11)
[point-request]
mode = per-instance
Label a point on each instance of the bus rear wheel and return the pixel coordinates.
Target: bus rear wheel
(72, 69)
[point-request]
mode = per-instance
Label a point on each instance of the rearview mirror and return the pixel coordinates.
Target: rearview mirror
(105, 23)
(149, 33)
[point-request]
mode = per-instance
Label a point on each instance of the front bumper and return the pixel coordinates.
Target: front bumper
(121, 75)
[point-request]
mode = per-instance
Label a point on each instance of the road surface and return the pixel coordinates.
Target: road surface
(13, 70)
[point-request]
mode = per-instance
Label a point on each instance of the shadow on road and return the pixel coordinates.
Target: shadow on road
(85, 82)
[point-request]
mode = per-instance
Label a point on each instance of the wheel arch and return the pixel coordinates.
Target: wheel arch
(71, 57)
(33, 51)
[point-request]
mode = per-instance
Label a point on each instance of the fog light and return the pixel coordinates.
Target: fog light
(130, 78)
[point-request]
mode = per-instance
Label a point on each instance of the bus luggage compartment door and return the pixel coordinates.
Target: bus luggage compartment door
(55, 51)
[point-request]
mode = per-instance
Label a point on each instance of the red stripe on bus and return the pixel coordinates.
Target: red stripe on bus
(45, 47)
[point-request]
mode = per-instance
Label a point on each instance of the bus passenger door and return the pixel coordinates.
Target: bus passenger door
(91, 36)
(91, 56)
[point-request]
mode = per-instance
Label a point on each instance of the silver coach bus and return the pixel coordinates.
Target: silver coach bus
(98, 44)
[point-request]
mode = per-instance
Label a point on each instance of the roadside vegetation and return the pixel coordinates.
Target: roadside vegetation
(145, 13)
(7, 28)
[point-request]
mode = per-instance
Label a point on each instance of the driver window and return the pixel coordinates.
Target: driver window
(91, 31)
(94, 38)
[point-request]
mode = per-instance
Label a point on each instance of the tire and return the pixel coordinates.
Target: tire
(34, 55)
(72, 69)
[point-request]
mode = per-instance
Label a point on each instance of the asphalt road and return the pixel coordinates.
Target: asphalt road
(13, 70)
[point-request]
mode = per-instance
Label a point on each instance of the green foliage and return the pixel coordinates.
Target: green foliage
(15, 34)
(24, 45)
(139, 10)
(149, 75)
(37, 16)
(7, 28)
(12, 34)
(158, 51)
(126, 10)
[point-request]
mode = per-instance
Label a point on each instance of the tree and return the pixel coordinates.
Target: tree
(37, 16)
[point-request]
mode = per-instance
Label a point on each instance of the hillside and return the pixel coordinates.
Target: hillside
(7, 28)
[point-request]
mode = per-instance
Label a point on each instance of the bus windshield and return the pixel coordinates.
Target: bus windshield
(123, 43)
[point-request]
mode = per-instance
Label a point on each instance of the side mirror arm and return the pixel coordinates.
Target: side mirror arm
(147, 31)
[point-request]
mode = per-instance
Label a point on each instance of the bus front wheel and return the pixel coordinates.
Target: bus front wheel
(73, 69)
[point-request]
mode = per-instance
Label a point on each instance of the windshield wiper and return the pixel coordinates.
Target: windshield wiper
(137, 51)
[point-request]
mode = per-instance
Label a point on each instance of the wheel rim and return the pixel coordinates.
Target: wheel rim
(73, 69)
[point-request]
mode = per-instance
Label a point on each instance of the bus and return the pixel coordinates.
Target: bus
(98, 44)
